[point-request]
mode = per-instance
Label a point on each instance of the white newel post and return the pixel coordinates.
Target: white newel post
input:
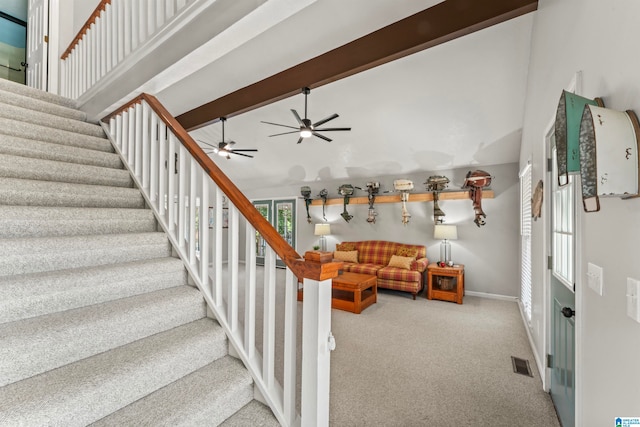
(317, 343)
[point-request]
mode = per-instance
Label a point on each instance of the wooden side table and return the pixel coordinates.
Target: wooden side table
(445, 283)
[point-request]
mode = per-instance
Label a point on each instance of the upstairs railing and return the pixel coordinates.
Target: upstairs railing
(186, 190)
(115, 29)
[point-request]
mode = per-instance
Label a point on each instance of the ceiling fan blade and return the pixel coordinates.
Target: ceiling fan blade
(322, 136)
(300, 140)
(286, 133)
(244, 149)
(331, 129)
(278, 124)
(231, 142)
(206, 143)
(325, 120)
(240, 154)
(295, 113)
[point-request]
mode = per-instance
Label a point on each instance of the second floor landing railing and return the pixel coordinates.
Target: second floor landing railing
(185, 189)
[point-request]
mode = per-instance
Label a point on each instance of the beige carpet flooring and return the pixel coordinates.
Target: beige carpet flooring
(425, 363)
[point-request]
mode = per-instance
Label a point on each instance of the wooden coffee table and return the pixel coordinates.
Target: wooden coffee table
(352, 292)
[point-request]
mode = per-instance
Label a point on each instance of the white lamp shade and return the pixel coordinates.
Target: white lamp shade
(444, 232)
(322, 229)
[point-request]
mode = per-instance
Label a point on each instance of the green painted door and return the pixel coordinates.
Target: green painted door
(281, 213)
(264, 207)
(562, 299)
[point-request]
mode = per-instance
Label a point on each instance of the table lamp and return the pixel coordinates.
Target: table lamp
(323, 230)
(445, 233)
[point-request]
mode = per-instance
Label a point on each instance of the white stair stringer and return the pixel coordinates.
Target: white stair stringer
(98, 323)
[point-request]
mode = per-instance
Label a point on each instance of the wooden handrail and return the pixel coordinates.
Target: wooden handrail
(101, 6)
(289, 256)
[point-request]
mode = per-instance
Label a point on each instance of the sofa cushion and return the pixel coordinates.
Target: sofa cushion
(348, 256)
(345, 247)
(407, 252)
(403, 262)
(393, 273)
(361, 268)
(380, 251)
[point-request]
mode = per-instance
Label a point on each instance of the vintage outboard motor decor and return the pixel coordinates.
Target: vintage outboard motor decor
(567, 132)
(437, 183)
(608, 155)
(404, 186)
(346, 191)
(372, 189)
(475, 182)
(306, 193)
(323, 195)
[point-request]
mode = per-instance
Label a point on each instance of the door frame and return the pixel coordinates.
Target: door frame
(575, 85)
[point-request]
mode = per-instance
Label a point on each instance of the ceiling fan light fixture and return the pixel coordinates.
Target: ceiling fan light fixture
(306, 132)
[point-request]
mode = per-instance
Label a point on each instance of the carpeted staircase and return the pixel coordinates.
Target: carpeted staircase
(98, 324)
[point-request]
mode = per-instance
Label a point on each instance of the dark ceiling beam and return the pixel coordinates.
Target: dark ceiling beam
(438, 24)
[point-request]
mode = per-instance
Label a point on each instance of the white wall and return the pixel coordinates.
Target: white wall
(600, 39)
(490, 253)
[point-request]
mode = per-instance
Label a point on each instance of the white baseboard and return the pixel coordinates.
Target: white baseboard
(534, 349)
(491, 296)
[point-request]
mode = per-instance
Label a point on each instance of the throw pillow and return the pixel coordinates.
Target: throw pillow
(403, 262)
(407, 252)
(347, 256)
(345, 247)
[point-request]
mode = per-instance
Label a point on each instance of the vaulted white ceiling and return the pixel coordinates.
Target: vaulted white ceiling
(455, 105)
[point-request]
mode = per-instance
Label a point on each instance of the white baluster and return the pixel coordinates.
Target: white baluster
(151, 14)
(234, 249)
(194, 172)
(162, 168)
(218, 248)
(269, 321)
(118, 134)
(182, 194)
(109, 48)
(126, 5)
(290, 345)
(103, 44)
(153, 185)
(141, 6)
(250, 292)
(145, 146)
(171, 176)
(170, 9)
(161, 13)
(138, 140)
(131, 140)
(119, 19)
(204, 234)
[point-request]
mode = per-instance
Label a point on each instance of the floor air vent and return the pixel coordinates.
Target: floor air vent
(521, 366)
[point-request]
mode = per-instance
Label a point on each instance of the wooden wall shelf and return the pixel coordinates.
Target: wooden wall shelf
(395, 198)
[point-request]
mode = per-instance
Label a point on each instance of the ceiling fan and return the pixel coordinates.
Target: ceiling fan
(223, 148)
(307, 128)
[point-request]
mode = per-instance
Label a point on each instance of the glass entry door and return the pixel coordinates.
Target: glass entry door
(281, 213)
(13, 43)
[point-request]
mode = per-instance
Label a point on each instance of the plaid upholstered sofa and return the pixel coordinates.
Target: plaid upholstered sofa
(398, 266)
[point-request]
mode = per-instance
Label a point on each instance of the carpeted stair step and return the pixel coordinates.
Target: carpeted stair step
(29, 295)
(39, 344)
(18, 100)
(88, 390)
(34, 255)
(253, 414)
(36, 94)
(44, 221)
(23, 147)
(25, 192)
(207, 396)
(27, 115)
(51, 170)
(12, 127)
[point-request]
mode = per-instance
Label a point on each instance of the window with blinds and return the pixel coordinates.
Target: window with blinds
(525, 241)
(563, 229)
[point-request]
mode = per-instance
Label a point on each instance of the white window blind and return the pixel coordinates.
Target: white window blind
(525, 239)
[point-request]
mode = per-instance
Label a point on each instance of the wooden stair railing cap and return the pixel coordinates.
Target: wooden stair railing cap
(289, 256)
